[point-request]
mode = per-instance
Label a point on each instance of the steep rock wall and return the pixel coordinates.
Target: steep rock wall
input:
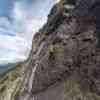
(63, 58)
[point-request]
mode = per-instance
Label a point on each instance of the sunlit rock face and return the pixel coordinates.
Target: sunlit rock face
(63, 64)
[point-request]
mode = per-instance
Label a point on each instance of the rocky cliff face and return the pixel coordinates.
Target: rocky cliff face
(63, 63)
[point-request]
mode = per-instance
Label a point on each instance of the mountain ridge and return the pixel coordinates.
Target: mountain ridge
(61, 60)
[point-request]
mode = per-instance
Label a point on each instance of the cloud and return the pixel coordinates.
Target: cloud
(5, 27)
(27, 19)
(13, 49)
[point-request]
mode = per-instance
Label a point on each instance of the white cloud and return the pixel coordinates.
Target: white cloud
(26, 22)
(13, 49)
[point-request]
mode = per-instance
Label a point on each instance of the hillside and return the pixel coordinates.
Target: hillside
(63, 63)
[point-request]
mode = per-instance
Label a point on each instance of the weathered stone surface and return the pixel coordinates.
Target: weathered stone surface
(63, 52)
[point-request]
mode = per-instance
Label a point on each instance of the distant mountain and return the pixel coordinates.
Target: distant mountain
(6, 68)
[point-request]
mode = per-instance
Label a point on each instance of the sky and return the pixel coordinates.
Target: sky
(19, 21)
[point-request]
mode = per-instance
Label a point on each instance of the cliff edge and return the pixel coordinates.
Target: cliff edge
(63, 63)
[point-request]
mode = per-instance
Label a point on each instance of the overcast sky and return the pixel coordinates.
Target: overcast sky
(19, 20)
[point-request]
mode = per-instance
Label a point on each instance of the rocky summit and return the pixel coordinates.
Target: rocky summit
(64, 63)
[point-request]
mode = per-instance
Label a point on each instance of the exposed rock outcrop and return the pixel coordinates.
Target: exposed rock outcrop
(63, 63)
